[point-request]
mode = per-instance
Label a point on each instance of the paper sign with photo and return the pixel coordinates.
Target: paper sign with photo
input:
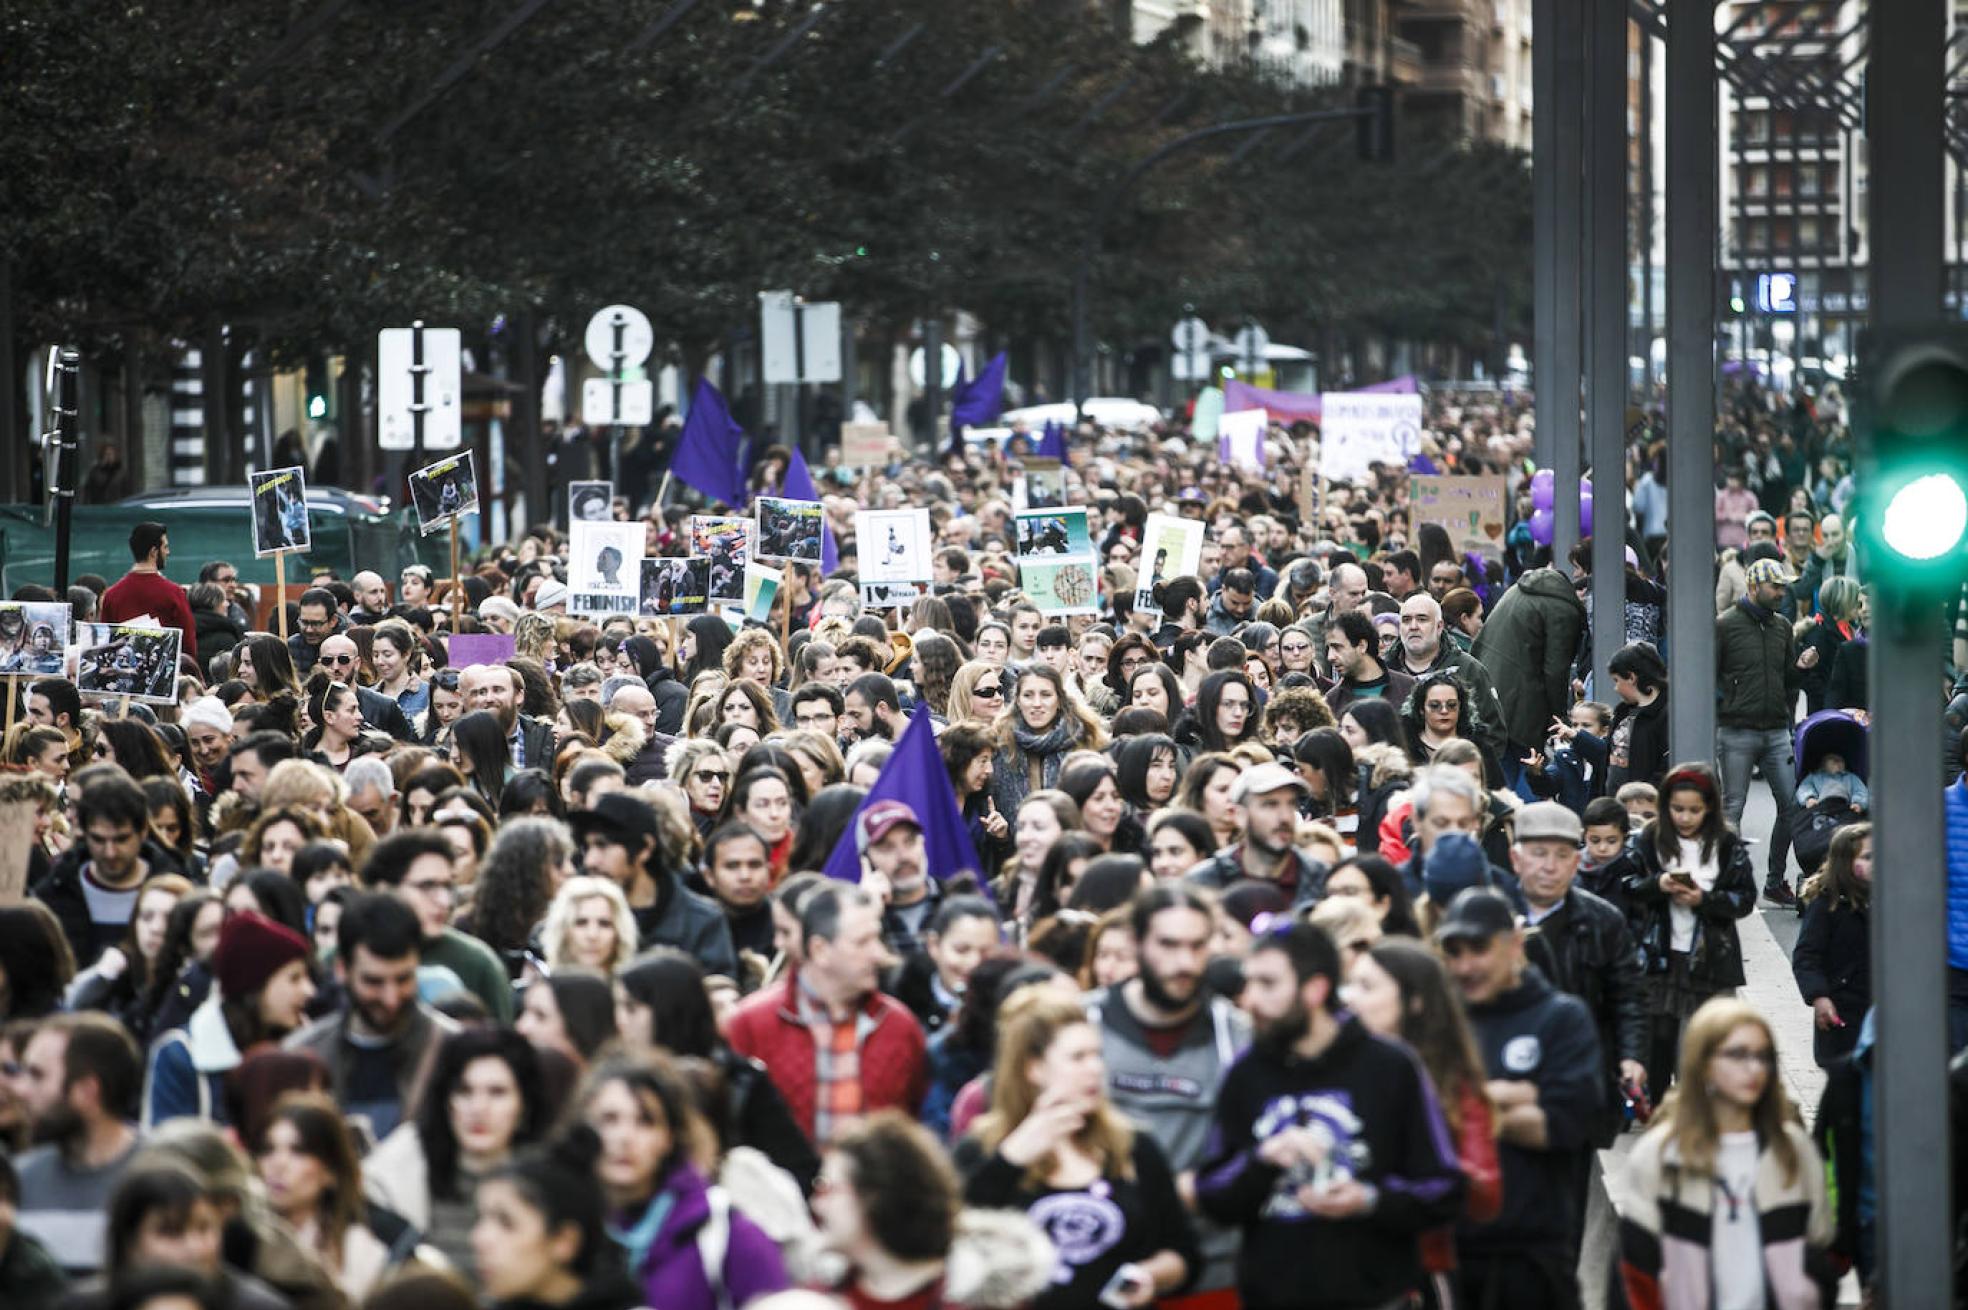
(445, 490)
(726, 541)
(604, 567)
(1170, 548)
(788, 529)
(280, 511)
(894, 544)
(674, 586)
(1060, 586)
(33, 635)
(761, 589)
(127, 659)
(593, 501)
(1042, 485)
(1044, 533)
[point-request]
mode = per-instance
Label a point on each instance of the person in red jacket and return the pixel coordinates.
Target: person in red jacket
(145, 589)
(835, 1047)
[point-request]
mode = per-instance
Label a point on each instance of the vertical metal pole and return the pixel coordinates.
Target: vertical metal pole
(68, 372)
(850, 378)
(933, 375)
(215, 404)
(1909, 926)
(526, 418)
(1645, 186)
(794, 426)
(1691, 235)
(417, 371)
(13, 450)
(1561, 399)
(1607, 327)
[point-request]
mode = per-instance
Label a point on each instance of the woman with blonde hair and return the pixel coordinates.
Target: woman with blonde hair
(1053, 1145)
(967, 701)
(818, 757)
(701, 768)
(706, 689)
(589, 926)
(311, 786)
(1729, 1171)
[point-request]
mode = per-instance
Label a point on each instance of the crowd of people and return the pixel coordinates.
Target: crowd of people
(1325, 921)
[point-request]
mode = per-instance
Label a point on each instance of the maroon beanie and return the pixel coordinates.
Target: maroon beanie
(252, 948)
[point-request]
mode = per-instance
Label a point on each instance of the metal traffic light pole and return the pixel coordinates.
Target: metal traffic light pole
(1909, 925)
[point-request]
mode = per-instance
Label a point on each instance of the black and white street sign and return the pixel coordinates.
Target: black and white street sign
(1191, 360)
(419, 387)
(799, 342)
(1252, 342)
(600, 397)
(619, 337)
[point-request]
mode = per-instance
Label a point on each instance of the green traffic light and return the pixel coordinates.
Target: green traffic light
(1926, 517)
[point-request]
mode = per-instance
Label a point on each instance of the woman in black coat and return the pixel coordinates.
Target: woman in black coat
(1636, 749)
(1833, 959)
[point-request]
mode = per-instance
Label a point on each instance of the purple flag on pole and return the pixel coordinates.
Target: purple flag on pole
(798, 485)
(1052, 441)
(976, 404)
(915, 776)
(710, 455)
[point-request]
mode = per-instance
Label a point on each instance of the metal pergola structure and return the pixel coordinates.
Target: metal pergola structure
(1579, 199)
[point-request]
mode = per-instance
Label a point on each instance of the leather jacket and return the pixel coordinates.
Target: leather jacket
(1585, 948)
(1715, 956)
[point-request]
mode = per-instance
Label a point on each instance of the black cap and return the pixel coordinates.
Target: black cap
(1477, 914)
(617, 817)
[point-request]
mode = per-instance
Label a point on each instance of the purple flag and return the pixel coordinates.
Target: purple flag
(915, 776)
(1052, 441)
(976, 404)
(710, 455)
(798, 485)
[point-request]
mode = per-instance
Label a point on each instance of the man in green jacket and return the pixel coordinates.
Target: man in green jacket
(1756, 676)
(1528, 644)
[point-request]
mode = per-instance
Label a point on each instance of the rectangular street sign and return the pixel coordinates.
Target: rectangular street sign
(808, 352)
(443, 409)
(598, 402)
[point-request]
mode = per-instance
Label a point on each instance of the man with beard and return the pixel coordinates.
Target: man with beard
(1269, 796)
(379, 1045)
(895, 867)
(340, 658)
(871, 708)
(1330, 1150)
(1168, 1042)
(80, 1081)
(371, 598)
(495, 687)
(1424, 649)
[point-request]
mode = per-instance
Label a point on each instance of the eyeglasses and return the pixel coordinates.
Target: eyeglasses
(1746, 1055)
(338, 659)
(1296, 648)
(711, 775)
(1441, 706)
(314, 624)
(230, 577)
(992, 692)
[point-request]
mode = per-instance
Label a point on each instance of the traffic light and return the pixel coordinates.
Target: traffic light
(1376, 123)
(1912, 515)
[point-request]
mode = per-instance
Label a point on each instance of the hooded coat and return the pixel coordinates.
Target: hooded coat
(1527, 645)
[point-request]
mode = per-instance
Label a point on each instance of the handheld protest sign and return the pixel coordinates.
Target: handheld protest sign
(674, 586)
(604, 567)
(725, 541)
(788, 529)
(1171, 547)
(895, 548)
(1056, 565)
(128, 661)
(33, 635)
(443, 490)
(280, 511)
(593, 502)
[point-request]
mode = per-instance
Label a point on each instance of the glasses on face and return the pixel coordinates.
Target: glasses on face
(313, 625)
(991, 692)
(1440, 706)
(711, 775)
(1748, 1055)
(1133, 662)
(338, 659)
(226, 579)
(1296, 648)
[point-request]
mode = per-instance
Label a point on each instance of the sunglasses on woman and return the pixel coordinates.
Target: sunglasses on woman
(992, 692)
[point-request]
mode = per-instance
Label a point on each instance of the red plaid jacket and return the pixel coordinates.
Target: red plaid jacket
(894, 1065)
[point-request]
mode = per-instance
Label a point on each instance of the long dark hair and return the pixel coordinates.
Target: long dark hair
(820, 827)
(434, 1112)
(1209, 695)
(175, 953)
(1071, 846)
(671, 984)
(1133, 757)
(137, 746)
(38, 961)
(478, 740)
(713, 634)
(1385, 880)
(515, 882)
(657, 1079)
(169, 794)
(1326, 752)
(279, 897)
(1432, 1022)
(1379, 720)
(323, 694)
(1696, 777)
(317, 1121)
(587, 1008)
(273, 665)
(557, 1179)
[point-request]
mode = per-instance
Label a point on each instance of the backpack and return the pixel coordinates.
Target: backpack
(714, 1244)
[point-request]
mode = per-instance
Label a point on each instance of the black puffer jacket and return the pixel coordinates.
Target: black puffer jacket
(1715, 956)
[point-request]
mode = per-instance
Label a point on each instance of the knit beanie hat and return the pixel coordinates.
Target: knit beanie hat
(252, 948)
(1455, 863)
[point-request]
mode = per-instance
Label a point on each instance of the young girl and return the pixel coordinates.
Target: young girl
(1692, 880)
(1729, 1172)
(1833, 959)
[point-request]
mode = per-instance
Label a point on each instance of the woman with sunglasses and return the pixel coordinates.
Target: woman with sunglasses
(976, 692)
(703, 770)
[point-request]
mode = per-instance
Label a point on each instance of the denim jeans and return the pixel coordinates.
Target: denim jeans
(1741, 749)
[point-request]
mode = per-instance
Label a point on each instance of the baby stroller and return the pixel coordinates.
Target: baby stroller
(1828, 732)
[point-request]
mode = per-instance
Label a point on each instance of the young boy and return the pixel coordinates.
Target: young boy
(1605, 865)
(1641, 802)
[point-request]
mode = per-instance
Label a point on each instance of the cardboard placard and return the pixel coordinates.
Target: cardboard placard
(115, 660)
(674, 586)
(866, 445)
(468, 649)
(1359, 429)
(444, 490)
(788, 529)
(1171, 547)
(604, 567)
(726, 541)
(1470, 508)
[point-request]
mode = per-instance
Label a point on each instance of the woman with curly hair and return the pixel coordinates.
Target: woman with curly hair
(1036, 732)
(936, 660)
(515, 885)
(589, 926)
(276, 835)
(1291, 712)
(754, 654)
(967, 748)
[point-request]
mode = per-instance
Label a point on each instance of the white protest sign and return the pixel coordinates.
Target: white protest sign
(1240, 438)
(1360, 429)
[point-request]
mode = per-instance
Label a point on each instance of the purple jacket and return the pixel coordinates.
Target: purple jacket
(672, 1276)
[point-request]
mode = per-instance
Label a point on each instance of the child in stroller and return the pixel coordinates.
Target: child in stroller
(1831, 760)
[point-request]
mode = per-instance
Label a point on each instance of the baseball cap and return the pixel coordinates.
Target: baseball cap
(1476, 916)
(1549, 821)
(1264, 779)
(1770, 570)
(880, 819)
(618, 817)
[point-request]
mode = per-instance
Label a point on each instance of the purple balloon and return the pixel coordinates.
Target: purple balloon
(1542, 521)
(1541, 491)
(1585, 514)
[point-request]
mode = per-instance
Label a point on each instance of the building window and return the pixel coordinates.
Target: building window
(1808, 237)
(1756, 181)
(1807, 179)
(1780, 179)
(1781, 234)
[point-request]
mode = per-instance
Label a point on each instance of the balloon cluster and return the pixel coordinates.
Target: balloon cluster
(1543, 520)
